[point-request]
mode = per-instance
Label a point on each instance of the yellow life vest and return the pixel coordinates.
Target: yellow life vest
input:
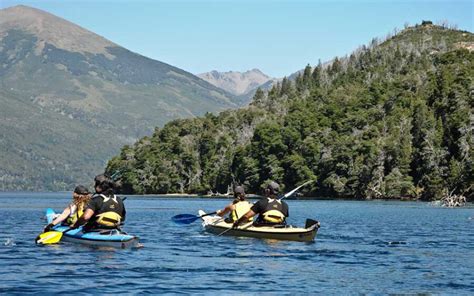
(74, 216)
(241, 208)
(110, 219)
(273, 216)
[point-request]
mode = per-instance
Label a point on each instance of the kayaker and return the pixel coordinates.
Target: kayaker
(270, 210)
(80, 197)
(105, 210)
(237, 208)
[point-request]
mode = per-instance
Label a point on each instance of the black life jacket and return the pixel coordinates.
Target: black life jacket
(273, 212)
(111, 211)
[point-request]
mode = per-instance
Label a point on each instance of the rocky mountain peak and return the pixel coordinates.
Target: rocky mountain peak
(237, 83)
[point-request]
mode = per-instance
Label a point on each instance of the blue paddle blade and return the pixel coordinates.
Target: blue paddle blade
(184, 218)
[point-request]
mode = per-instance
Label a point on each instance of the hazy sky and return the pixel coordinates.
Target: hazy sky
(277, 37)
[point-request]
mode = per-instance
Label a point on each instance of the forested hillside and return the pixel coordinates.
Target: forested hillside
(393, 119)
(70, 99)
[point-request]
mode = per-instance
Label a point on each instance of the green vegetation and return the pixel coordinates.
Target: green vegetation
(394, 119)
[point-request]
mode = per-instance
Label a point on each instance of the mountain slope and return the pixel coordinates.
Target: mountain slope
(239, 84)
(88, 88)
(392, 119)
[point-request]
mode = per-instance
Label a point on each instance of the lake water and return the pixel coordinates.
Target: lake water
(373, 247)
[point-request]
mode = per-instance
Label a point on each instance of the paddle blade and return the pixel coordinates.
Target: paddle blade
(50, 237)
(296, 189)
(184, 218)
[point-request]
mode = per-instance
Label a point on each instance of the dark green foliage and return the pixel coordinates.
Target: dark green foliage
(392, 120)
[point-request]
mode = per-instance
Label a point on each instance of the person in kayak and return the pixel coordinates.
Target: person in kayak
(105, 210)
(270, 210)
(237, 208)
(80, 197)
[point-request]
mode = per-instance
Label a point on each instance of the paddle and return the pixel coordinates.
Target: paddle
(51, 237)
(237, 228)
(188, 218)
(296, 189)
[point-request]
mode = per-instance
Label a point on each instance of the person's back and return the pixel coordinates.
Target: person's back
(74, 210)
(109, 210)
(105, 210)
(241, 207)
(271, 210)
(237, 208)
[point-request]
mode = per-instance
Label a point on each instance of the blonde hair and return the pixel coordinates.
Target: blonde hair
(79, 200)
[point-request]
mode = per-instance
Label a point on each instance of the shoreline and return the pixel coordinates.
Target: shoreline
(256, 196)
(228, 197)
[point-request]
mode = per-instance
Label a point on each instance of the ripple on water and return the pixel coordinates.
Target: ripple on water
(9, 242)
(393, 247)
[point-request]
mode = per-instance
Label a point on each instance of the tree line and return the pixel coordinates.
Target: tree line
(394, 119)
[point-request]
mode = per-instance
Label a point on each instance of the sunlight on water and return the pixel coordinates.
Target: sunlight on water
(9, 243)
(362, 247)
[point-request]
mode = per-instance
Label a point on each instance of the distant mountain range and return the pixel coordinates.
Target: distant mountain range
(69, 99)
(243, 85)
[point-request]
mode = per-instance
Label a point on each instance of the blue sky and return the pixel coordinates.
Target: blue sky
(277, 37)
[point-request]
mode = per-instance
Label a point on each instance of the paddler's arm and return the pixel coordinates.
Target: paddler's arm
(59, 219)
(84, 218)
(62, 217)
(245, 217)
(226, 210)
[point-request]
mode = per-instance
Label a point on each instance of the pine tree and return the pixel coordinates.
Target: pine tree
(307, 81)
(285, 87)
(317, 72)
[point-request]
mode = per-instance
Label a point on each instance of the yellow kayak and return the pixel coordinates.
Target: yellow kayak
(217, 225)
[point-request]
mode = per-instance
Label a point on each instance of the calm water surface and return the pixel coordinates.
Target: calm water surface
(362, 247)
